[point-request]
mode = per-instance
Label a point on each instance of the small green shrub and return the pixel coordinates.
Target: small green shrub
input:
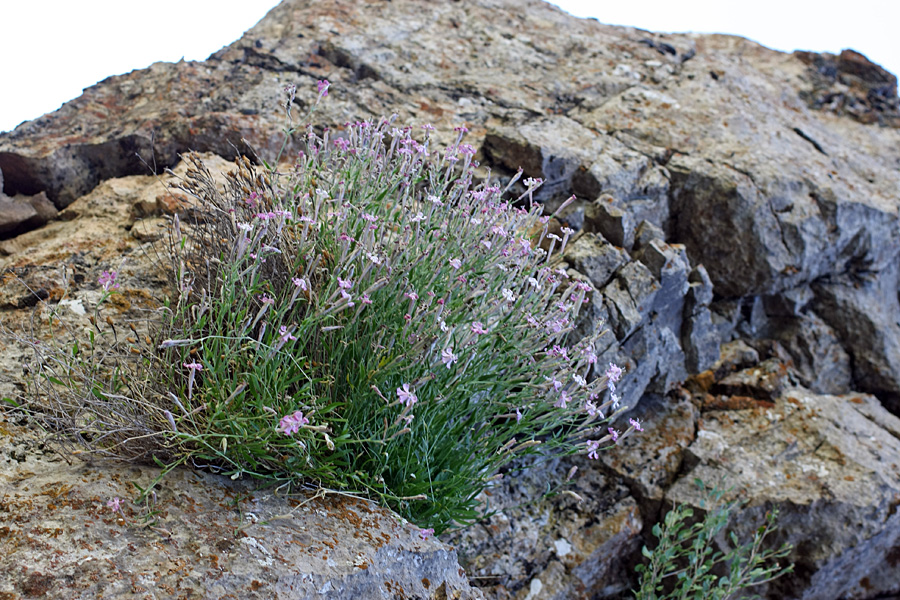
(366, 319)
(686, 553)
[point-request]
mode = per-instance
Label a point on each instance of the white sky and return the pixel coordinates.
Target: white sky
(52, 49)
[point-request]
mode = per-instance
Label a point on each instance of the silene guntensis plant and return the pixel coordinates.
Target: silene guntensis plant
(366, 319)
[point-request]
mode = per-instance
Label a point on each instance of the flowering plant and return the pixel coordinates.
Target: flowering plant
(370, 320)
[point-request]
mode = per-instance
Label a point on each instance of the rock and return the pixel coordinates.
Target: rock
(850, 84)
(571, 545)
(202, 536)
(865, 314)
(700, 292)
(645, 233)
(700, 340)
(765, 381)
(759, 215)
(611, 222)
(592, 255)
(816, 353)
(649, 461)
(829, 464)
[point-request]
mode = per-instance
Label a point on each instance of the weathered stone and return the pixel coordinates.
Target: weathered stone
(789, 303)
(850, 84)
(670, 266)
(700, 340)
(764, 381)
(643, 288)
(830, 465)
(552, 149)
(610, 221)
(865, 314)
(645, 233)
(572, 545)
(649, 461)
(700, 292)
(595, 257)
(820, 362)
(201, 536)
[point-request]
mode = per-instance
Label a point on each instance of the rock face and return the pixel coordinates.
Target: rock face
(737, 213)
(199, 536)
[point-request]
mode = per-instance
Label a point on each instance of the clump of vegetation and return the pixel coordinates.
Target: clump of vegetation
(367, 320)
(685, 565)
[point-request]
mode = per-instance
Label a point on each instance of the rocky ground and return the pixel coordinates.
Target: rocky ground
(738, 210)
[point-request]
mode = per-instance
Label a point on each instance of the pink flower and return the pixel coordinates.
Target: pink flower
(518, 415)
(300, 283)
(411, 295)
(406, 395)
(108, 280)
(193, 365)
(563, 398)
(613, 373)
(266, 299)
(558, 351)
(478, 328)
(636, 424)
(592, 447)
(426, 533)
(290, 424)
(115, 504)
(448, 357)
(285, 336)
(455, 263)
(365, 299)
(323, 87)
(614, 434)
(344, 284)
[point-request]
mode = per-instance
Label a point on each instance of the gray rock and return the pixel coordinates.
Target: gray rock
(670, 266)
(820, 362)
(610, 221)
(700, 340)
(576, 544)
(789, 303)
(865, 314)
(645, 233)
(596, 258)
(551, 148)
(829, 464)
(700, 293)
(202, 536)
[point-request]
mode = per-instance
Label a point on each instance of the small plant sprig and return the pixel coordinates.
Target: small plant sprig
(686, 552)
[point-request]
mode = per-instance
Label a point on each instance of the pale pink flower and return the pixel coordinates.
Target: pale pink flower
(563, 398)
(290, 424)
(592, 447)
(448, 357)
(115, 504)
(108, 280)
(323, 86)
(636, 424)
(406, 395)
(455, 263)
(478, 327)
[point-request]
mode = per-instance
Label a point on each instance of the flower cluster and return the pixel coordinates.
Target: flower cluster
(377, 264)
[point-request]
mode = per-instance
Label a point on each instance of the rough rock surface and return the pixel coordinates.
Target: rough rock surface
(738, 210)
(198, 536)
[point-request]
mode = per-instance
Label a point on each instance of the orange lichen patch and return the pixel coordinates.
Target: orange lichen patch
(55, 490)
(734, 403)
(701, 382)
(857, 400)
